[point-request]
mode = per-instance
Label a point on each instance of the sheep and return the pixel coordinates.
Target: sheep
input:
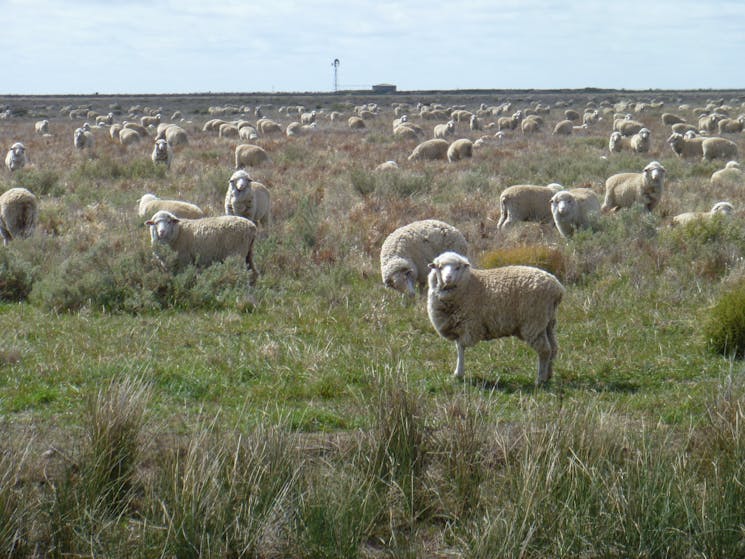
(531, 124)
(248, 133)
(686, 147)
(150, 120)
(405, 131)
(141, 130)
(618, 143)
(248, 198)
(474, 123)
(162, 153)
(730, 175)
(590, 117)
(509, 122)
(625, 189)
(82, 139)
(718, 148)
(668, 119)
(571, 114)
(460, 149)
(442, 131)
(467, 305)
(249, 155)
(16, 159)
(573, 209)
(308, 118)
(105, 119)
(408, 250)
(720, 208)
(148, 204)
(563, 128)
(205, 240)
(731, 125)
(174, 135)
(42, 127)
(355, 123)
(228, 130)
(435, 148)
(627, 127)
(129, 136)
(114, 131)
(389, 165)
(640, 141)
(19, 214)
(212, 125)
(526, 202)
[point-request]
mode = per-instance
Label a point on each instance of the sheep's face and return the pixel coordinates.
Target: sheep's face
(240, 183)
(163, 227)
(448, 269)
(722, 208)
(402, 280)
(655, 172)
(161, 149)
(18, 150)
(563, 204)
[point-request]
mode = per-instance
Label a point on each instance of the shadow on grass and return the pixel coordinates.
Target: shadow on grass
(509, 384)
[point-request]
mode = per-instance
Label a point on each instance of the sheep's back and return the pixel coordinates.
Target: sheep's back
(212, 239)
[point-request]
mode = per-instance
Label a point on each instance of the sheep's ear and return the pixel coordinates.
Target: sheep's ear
(149, 222)
(431, 266)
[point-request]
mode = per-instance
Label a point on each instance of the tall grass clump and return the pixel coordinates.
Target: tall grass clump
(17, 275)
(15, 511)
(724, 325)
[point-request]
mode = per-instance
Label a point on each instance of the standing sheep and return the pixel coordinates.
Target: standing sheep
(15, 159)
(150, 203)
(174, 135)
(627, 127)
(460, 149)
(206, 240)
(467, 305)
(19, 213)
(408, 250)
(42, 127)
(526, 202)
(686, 147)
(640, 142)
(623, 190)
(355, 123)
(718, 148)
(442, 131)
(730, 175)
(563, 128)
(129, 136)
(248, 198)
(83, 139)
(249, 155)
(162, 153)
(430, 149)
(618, 142)
(724, 209)
(573, 209)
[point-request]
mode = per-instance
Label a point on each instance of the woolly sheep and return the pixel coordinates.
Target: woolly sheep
(444, 130)
(129, 136)
(435, 148)
(405, 131)
(249, 155)
(267, 126)
(141, 130)
(206, 240)
(82, 139)
(571, 114)
(731, 125)
(174, 135)
(408, 250)
(623, 190)
(150, 203)
(150, 120)
(387, 166)
(467, 305)
(668, 119)
(526, 202)
(42, 127)
(474, 123)
(228, 130)
(640, 142)
(720, 208)
(355, 123)
(19, 213)
(718, 148)
(627, 127)
(162, 153)
(248, 198)
(573, 209)
(114, 131)
(590, 117)
(248, 133)
(531, 124)
(731, 175)
(686, 147)
(618, 142)
(15, 159)
(460, 149)
(308, 118)
(563, 128)
(107, 119)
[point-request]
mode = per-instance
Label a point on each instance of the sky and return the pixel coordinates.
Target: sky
(199, 46)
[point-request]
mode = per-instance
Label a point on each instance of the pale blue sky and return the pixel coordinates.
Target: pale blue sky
(163, 46)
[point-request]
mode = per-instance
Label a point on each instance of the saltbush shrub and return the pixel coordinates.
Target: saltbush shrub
(541, 256)
(724, 328)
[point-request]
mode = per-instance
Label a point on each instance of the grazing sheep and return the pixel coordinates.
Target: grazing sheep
(718, 148)
(19, 213)
(42, 127)
(150, 203)
(668, 119)
(82, 139)
(141, 130)
(162, 153)
(731, 175)
(129, 136)
(731, 125)
(618, 143)
(206, 240)
(444, 130)
(573, 209)
(406, 131)
(720, 208)
(267, 127)
(387, 166)
(355, 123)
(15, 159)
(248, 198)
(107, 119)
(228, 130)
(248, 133)
(150, 120)
(249, 155)
(526, 202)
(627, 127)
(114, 131)
(563, 128)
(460, 149)
(408, 250)
(571, 114)
(686, 147)
(429, 150)
(212, 125)
(623, 190)
(640, 142)
(174, 135)
(467, 305)
(682, 128)
(531, 124)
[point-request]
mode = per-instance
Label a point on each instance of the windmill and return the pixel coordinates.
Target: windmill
(335, 64)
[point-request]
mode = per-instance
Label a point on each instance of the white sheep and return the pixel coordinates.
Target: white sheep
(356, 123)
(640, 142)
(460, 149)
(228, 130)
(442, 131)
(730, 175)
(686, 147)
(563, 128)
(267, 127)
(718, 148)
(149, 204)
(16, 158)
(249, 155)
(618, 142)
(623, 190)
(206, 240)
(408, 250)
(627, 127)
(467, 305)
(129, 136)
(150, 120)
(83, 139)
(526, 202)
(248, 198)
(174, 135)
(406, 131)
(724, 209)
(430, 149)
(162, 153)
(668, 119)
(19, 214)
(474, 123)
(389, 165)
(574, 209)
(42, 127)
(308, 118)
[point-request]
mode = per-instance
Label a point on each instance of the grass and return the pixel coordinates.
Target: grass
(314, 414)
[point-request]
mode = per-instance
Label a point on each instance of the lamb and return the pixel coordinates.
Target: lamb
(150, 203)
(82, 139)
(623, 190)
(467, 305)
(162, 153)
(640, 142)
(206, 240)
(408, 250)
(248, 198)
(730, 175)
(526, 202)
(19, 214)
(686, 147)
(718, 148)
(573, 209)
(444, 130)
(460, 149)
(15, 159)
(435, 148)
(563, 128)
(249, 155)
(42, 127)
(720, 208)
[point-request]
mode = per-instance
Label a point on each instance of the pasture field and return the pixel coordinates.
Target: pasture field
(146, 413)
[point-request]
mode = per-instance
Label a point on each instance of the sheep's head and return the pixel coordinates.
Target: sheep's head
(675, 139)
(161, 147)
(732, 165)
(164, 227)
(18, 149)
(239, 181)
(654, 172)
(644, 133)
(447, 270)
(563, 204)
(722, 208)
(401, 275)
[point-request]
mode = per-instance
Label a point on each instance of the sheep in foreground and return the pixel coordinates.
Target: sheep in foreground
(526, 202)
(249, 155)
(83, 139)
(720, 208)
(162, 153)
(573, 209)
(206, 240)
(408, 250)
(623, 190)
(460, 149)
(686, 147)
(19, 213)
(248, 198)
(150, 204)
(444, 130)
(15, 159)
(730, 175)
(718, 148)
(467, 305)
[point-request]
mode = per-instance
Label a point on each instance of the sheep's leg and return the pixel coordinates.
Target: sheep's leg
(459, 365)
(543, 347)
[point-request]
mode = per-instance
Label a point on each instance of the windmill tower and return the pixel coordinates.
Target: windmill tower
(335, 64)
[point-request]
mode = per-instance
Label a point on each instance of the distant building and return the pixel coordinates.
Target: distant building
(384, 88)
